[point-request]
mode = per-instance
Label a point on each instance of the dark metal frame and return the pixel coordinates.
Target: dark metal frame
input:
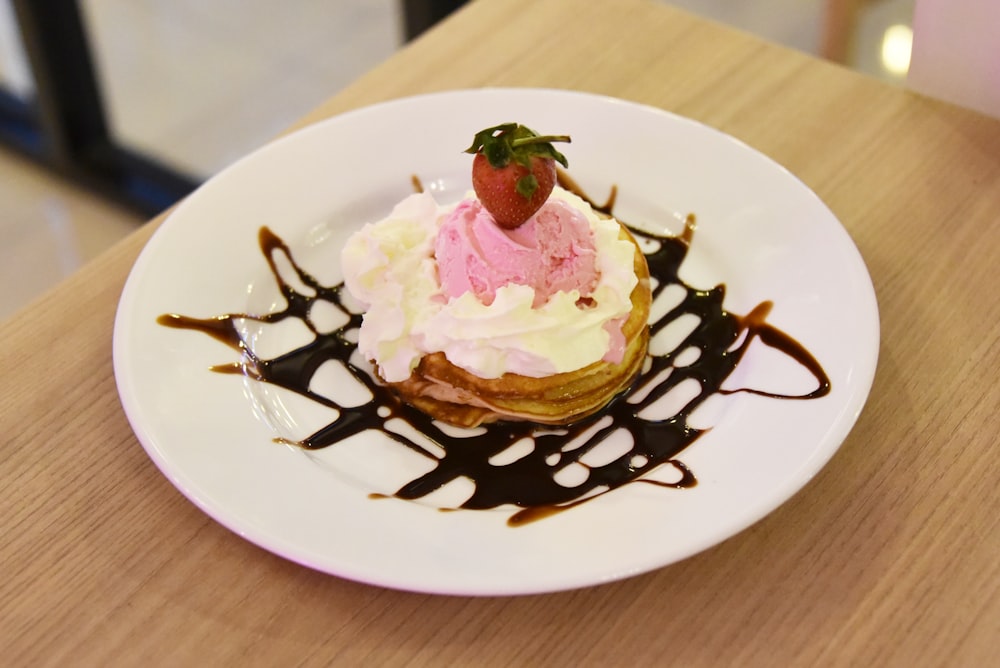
(64, 126)
(421, 15)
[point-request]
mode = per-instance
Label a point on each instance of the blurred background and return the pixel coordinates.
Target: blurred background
(110, 110)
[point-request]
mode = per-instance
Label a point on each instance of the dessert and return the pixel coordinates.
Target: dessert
(541, 319)
(531, 483)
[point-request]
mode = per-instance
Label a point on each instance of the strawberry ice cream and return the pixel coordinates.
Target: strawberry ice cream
(547, 297)
(552, 252)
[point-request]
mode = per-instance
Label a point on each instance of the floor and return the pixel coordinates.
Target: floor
(255, 75)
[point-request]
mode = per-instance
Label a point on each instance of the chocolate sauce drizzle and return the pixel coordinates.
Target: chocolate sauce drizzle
(529, 483)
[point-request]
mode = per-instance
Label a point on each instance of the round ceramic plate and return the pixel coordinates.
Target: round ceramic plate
(761, 233)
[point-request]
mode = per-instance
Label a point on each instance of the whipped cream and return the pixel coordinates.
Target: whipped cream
(389, 267)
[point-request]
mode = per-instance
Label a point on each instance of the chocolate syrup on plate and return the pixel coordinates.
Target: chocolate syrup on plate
(530, 482)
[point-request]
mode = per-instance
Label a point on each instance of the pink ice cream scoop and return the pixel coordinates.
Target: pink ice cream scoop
(552, 251)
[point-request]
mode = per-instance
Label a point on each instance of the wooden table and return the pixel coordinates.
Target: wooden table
(891, 556)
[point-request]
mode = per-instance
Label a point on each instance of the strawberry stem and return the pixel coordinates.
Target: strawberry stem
(509, 142)
(538, 140)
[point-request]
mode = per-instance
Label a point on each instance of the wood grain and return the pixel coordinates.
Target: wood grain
(888, 557)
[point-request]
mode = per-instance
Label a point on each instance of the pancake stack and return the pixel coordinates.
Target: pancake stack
(457, 397)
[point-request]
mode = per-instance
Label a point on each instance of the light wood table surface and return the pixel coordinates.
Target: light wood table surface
(890, 556)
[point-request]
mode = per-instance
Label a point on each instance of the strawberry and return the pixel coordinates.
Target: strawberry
(514, 171)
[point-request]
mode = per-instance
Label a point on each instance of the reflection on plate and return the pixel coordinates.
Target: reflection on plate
(761, 233)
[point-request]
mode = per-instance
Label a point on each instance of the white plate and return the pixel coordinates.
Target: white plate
(761, 232)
